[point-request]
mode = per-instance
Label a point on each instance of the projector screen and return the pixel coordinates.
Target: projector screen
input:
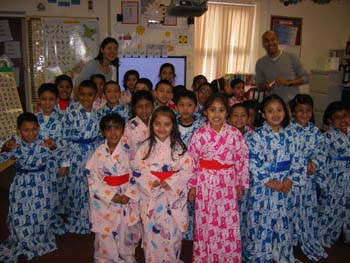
(149, 68)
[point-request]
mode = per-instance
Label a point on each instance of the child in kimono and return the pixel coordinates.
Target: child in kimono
(335, 202)
(220, 157)
(30, 206)
(237, 96)
(136, 129)
(108, 173)
(163, 93)
(65, 87)
(112, 94)
(82, 135)
(238, 117)
(311, 158)
(271, 152)
(51, 127)
(161, 171)
(99, 81)
(188, 123)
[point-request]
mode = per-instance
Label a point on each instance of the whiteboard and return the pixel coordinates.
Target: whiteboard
(149, 68)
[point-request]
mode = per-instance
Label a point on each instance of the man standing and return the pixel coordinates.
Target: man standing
(279, 72)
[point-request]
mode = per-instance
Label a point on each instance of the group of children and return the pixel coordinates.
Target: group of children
(240, 179)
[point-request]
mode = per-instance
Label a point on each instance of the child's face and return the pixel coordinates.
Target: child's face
(274, 114)
(168, 74)
(185, 107)
(113, 133)
(64, 90)
(47, 101)
(112, 94)
(29, 131)
(303, 114)
(86, 97)
(163, 94)
(239, 117)
(162, 126)
(238, 91)
(251, 118)
(338, 120)
(144, 109)
(216, 114)
(141, 86)
(203, 94)
(99, 84)
(130, 83)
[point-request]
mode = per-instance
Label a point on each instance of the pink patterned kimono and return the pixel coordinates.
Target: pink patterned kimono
(136, 131)
(220, 163)
(117, 227)
(163, 212)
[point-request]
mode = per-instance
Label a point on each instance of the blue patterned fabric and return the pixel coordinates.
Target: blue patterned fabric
(121, 109)
(79, 128)
(268, 226)
(30, 203)
(334, 200)
(304, 216)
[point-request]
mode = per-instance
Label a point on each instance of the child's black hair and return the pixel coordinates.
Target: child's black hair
(145, 81)
(131, 72)
(185, 94)
(235, 81)
(214, 97)
(111, 119)
(178, 89)
(103, 44)
(26, 116)
(332, 108)
(98, 76)
(268, 99)
(175, 138)
(166, 65)
(110, 82)
(50, 87)
(218, 84)
(238, 105)
(63, 77)
(255, 105)
(89, 84)
(196, 79)
(163, 81)
(304, 99)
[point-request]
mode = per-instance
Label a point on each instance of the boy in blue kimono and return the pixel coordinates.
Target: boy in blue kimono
(51, 127)
(81, 133)
(188, 123)
(30, 204)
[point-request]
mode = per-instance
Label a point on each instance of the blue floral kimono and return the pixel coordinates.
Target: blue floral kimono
(82, 136)
(121, 109)
(198, 121)
(268, 225)
(30, 202)
(334, 205)
(304, 215)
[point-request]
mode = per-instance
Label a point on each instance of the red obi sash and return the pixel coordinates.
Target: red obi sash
(163, 175)
(116, 180)
(213, 165)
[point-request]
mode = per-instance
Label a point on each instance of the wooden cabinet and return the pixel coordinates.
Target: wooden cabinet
(324, 89)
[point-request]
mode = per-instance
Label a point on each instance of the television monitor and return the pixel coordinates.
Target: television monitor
(149, 68)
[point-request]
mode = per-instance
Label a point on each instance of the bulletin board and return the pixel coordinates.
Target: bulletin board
(10, 105)
(59, 45)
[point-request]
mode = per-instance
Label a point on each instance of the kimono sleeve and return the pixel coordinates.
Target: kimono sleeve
(241, 158)
(194, 151)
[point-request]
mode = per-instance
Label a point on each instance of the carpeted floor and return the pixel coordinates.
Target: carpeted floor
(79, 248)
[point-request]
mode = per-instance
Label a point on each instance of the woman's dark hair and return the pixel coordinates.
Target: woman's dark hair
(111, 119)
(50, 87)
(214, 97)
(131, 72)
(332, 108)
(267, 100)
(304, 99)
(103, 44)
(26, 116)
(140, 95)
(63, 77)
(175, 138)
(145, 81)
(238, 105)
(166, 65)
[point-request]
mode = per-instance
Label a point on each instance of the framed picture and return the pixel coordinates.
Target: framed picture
(130, 12)
(170, 21)
(288, 30)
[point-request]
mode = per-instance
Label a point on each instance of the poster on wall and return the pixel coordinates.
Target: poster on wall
(130, 12)
(288, 30)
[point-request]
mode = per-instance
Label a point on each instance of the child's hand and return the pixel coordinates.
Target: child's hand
(9, 145)
(287, 185)
(165, 185)
(311, 167)
(275, 185)
(62, 171)
(239, 193)
(49, 143)
(192, 194)
(156, 183)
